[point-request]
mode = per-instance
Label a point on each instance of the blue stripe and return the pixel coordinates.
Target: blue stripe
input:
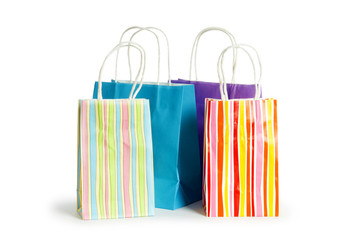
(149, 160)
(118, 122)
(94, 214)
(133, 144)
(78, 170)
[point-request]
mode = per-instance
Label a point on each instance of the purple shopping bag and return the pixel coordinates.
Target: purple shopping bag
(205, 90)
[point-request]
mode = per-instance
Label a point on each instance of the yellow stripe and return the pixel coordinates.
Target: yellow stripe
(144, 157)
(270, 159)
(88, 143)
(242, 149)
(226, 162)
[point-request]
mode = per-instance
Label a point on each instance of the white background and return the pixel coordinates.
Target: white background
(50, 55)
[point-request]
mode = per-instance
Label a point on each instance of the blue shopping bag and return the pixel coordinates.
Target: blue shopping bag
(177, 165)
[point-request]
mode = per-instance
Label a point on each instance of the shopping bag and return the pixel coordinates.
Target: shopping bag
(205, 89)
(240, 156)
(177, 165)
(115, 156)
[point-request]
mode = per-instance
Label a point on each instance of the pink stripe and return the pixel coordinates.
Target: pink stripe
(126, 161)
(84, 143)
(106, 161)
(259, 157)
(213, 175)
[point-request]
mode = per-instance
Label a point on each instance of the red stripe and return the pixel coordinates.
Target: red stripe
(265, 157)
(220, 157)
(248, 128)
(236, 161)
(253, 164)
(276, 156)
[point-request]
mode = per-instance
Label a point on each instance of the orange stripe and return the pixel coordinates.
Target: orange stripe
(276, 157)
(248, 128)
(265, 157)
(220, 157)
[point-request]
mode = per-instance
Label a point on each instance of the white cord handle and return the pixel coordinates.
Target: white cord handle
(195, 50)
(141, 71)
(159, 48)
(128, 52)
(223, 87)
(259, 65)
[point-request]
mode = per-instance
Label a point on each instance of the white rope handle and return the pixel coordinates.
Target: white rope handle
(259, 65)
(159, 48)
(141, 71)
(223, 87)
(195, 50)
(128, 52)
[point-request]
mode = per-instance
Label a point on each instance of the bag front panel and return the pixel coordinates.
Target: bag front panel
(115, 160)
(240, 170)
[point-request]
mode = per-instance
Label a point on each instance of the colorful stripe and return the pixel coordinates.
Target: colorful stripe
(236, 160)
(226, 160)
(248, 167)
(241, 158)
(259, 159)
(213, 162)
(149, 160)
(114, 153)
(220, 160)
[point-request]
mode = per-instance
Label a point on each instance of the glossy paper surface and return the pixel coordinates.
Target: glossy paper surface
(240, 170)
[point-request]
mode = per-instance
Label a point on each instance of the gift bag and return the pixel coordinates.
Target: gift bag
(115, 156)
(240, 156)
(205, 89)
(177, 166)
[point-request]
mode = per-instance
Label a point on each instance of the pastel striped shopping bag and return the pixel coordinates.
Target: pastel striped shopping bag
(115, 160)
(240, 170)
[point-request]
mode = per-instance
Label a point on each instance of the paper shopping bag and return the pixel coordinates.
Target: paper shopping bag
(177, 165)
(115, 156)
(240, 157)
(204, 89)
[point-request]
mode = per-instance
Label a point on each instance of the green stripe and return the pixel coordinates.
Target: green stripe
(140, 157)
(111, 147)
(100, 149)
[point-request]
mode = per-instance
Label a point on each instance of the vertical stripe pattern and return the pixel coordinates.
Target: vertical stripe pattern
(115, 160)
(241, 158)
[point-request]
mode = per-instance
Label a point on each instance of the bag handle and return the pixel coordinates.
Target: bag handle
(223, 87)
(141, 70)
(195, 50)
(159, 48)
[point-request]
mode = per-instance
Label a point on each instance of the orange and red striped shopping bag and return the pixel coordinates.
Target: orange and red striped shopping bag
(240, 171)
